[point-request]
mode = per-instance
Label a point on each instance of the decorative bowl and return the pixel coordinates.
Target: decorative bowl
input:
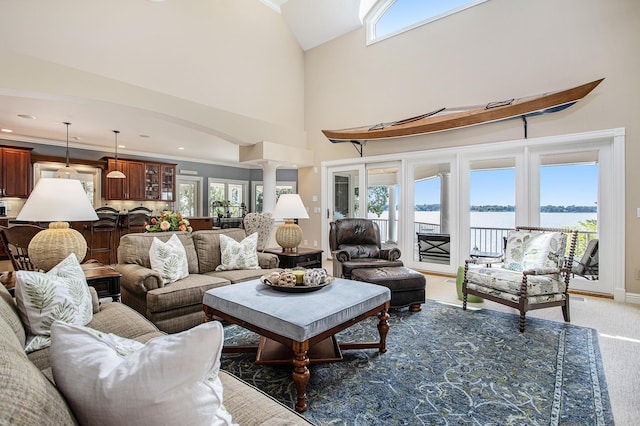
(300, 288)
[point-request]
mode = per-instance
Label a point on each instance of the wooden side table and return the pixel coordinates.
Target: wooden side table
(104, 279)
(303, 257)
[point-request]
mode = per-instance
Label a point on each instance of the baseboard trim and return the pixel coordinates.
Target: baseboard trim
(592, 294)
(632, 298)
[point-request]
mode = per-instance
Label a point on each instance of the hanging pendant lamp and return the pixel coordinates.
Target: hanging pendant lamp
(67, 172)
(116, 174)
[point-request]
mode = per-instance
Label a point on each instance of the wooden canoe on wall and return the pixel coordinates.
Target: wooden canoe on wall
(453, 118)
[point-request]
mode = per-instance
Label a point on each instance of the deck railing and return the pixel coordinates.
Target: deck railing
(481, 239)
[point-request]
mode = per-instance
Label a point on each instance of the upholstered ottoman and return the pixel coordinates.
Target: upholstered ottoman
(408, 287)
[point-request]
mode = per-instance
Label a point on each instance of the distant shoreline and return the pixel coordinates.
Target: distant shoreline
(496, 208)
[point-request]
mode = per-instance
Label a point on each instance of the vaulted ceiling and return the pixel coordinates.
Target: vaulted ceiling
(312, 22)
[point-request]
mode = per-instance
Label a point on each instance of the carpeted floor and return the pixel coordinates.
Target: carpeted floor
(445, 366)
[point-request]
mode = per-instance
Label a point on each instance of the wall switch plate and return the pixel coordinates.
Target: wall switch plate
(314, 198)
(638, 212)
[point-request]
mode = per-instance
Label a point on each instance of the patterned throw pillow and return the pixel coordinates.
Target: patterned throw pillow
(238, 255)
(171, 379)
(60, 294)
(169, 259)
(541, 251)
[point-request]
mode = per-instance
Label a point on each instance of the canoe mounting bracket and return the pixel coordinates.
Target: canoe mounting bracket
(358, 145)
(524, 123)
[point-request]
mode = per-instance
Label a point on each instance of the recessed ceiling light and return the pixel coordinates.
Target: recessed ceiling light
(6, 130)
(27, 116)
(144, 136)
(121, 146)
(181, 147)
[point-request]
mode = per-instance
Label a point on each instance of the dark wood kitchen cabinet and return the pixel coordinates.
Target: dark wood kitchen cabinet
(15, 170)
(144, 181)
(129, 188)
(160, 182)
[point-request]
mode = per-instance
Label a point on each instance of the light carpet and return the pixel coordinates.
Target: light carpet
(446, 366)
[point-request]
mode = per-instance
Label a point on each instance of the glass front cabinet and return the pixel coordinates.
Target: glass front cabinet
(160, 182)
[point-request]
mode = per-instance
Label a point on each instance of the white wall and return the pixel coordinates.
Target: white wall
(497, 50)
(236, 56)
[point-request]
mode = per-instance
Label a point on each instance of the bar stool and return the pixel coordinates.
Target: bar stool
(135, 220)
(102, 233)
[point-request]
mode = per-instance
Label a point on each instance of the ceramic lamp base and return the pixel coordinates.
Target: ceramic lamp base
(289, 235)
(50, 246)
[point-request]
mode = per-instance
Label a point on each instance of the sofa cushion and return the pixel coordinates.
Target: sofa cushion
(207, 244)
(169, 259)
(9, 313)
(250, 406)
(171, 379)
(238, 255)
(59, 294)
(113, 318)
(134, 248)
(28, 397)
(186, 292)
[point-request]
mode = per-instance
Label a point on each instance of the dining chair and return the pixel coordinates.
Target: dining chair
(15, 240)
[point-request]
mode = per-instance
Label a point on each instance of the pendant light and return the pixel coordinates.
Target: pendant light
(67, 172)
(116, 174)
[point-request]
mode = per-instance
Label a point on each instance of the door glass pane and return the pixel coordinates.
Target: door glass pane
(569, 198)
(382, 201)
(217, 199)
(346, 194)
(236, 197)
(492, 201)
(431, 215)
(187, 198)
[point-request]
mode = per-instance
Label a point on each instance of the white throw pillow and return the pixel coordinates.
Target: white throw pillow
(170, 380)
(169, 259)
(60, 294)
(238, 255)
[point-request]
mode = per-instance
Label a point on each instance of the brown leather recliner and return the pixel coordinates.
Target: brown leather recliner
(355, 244)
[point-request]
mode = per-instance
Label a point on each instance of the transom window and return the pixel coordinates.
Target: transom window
(390, 17)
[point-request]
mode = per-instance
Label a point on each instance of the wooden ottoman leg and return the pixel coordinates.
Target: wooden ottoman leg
(416, 307)
(300, 374)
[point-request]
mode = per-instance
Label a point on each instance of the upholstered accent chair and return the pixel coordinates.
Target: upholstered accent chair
(262, 223)
(534, 273)
(355, 244)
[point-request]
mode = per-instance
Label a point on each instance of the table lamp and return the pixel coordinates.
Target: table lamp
(57, 201)
(289, 234)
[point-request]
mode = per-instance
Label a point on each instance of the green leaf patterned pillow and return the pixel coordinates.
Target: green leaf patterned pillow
(169, 259)
(238, 255)
(60, 294)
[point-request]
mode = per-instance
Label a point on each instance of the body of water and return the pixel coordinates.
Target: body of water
(506, 219)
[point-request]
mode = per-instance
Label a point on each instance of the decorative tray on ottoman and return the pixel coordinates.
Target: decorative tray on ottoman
(298, 288)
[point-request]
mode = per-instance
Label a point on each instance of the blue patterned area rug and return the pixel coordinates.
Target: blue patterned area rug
(446, 366)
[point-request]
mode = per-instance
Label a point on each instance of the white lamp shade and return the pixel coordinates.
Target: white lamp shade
(57, 200)
(289, 206)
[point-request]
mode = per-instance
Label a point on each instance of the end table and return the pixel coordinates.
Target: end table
(302, 257)
(104, 279)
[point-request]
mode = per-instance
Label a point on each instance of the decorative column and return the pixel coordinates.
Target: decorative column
(268, 186)
(444, 202)
(391, 237)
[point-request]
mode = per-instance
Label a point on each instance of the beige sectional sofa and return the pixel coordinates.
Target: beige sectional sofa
(178, 306)
(29, 396)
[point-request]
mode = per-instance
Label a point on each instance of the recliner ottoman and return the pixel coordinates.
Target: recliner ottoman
(408, 287)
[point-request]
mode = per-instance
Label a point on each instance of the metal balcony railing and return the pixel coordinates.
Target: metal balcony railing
(481, 239)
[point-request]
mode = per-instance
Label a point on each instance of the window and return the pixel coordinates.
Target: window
(281, 188)
(391, 17)
(227, 197)
(89, 177)
(189, 195)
